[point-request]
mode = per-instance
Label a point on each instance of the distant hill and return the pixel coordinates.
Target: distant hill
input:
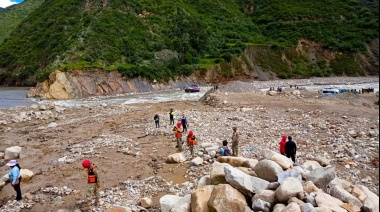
(163, 39)
(1, 8)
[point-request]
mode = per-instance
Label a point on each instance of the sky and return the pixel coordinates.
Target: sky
(7, 3)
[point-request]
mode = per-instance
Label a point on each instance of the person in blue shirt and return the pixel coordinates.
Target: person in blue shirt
(15, 178)
(184, 123)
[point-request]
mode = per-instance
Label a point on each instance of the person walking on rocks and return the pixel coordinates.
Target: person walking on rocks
(282, 144)
(171, 116)
(184, 123)
(15, 178)
(157, 120)
(93, 180)
(178, 135)
(291, 149)
(191, 142)
(235, 142)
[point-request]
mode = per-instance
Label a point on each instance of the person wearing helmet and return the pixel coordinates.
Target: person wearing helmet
(178, 135)
(235, 142)
(93, 181)
(191, 142)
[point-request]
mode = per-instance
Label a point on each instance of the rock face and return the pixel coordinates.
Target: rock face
(268, 170)
(12, 153)
(225, 198)
(288, 189)
(176, 158)
(246, 184)
(81, 84)
(321, 177)
(200, 197)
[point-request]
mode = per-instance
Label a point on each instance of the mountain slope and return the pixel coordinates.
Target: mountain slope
(12, 16)
(160, 39)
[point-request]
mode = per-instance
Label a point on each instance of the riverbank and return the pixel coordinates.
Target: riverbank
(129, 151)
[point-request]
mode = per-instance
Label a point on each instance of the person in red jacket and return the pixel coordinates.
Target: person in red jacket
(282, 144)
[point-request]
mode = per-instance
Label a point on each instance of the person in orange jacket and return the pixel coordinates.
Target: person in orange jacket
(191, 142)
(93, 180)
(178, 135)
(282, 144)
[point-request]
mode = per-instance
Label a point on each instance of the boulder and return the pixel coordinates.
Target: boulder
(327, 201)
(233, 161)
(261, 205)
(200, 198)
(186, 207)
(197, 161)
(292, 207)
(205, 180)
(225, 198)
(295, 200)
(273, 186)
(286, 174)
(26, 175)
(307, 207)
(251, 163)
(323, 161)
(321, 177)
(246, 184)
(2, 184)
(217, 174)
(372, 201)
(176, 158)
(268, 170)
(268, 154)
(311, 165)
(344, 196)
(12, 153)
(279, 208)
(342, 183)
(309, 187)
(182, 205)
(117, 209)
(282, 160)
(288, 189)
(146, 202)
(268, 196)
(351, 207)
(167, 202)
(248, 171)
(358, 193)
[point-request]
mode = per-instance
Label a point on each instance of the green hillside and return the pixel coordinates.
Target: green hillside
(12, 16)
(160, 39)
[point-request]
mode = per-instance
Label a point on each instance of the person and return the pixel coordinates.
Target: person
(224, 150)
(178, 135)
(15, 178)
(291, 149)
(93, 180)
(157, 120)
(191, 142)
(235, 142)
(171, 115)
(184, 123)
(282, 144)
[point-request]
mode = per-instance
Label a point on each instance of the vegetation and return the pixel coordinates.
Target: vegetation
(162, 39)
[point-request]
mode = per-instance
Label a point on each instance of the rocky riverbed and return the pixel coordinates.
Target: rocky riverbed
(131, 154)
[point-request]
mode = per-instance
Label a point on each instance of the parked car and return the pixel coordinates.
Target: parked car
(330, 92)
(192, 89)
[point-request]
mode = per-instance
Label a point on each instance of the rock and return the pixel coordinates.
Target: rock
(279, 208)
(295, 200)
(248, 171)
(246, 184)
(321, 177)
(200, 198)
(372, 201)
(292, 207)
(52, 125)
(296, 92)
(282, 160)
(286, 174)
(12, 153)
(233, 161)
(251, 163)
(307, 207)
(323, 161)
(168, 201)
(358, 193)
(268, 154)
(225, 198)
(351, 207)
(327, 201)
(288, 189)
(117, 209)
(268, 170)
(273, 186)
(146, 202)
(182, 205)
(311, 165)
(2, 155)
(197, 161)
(260, 205)
(342, 183)
(176, 158)
(217, 174)
(309, 187)
(212, 153)
(205, 180)
(267, 196)
(26, 175)
(186, 207)
(2, 184)
(344, 196)
(62, 160)
(311, 199)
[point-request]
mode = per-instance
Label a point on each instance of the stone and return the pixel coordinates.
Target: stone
(321, 177)
(26, 175)
(248, 171)
(307, 207)
(2, 184)
(273, 186)
(372, 201)
(267, 196)
(310, 198)
(182, 204)
(282, 160)
(246, 184)
(251, 163)
(12, 153)
(205, 180)
(146, 202)
(279, 208)
(168, 201)
(225, 198)
(233, 161)
(342, 183)
(344, 195)
(186, 207)
(268, 170)
(2, 155)
(212, 154)
(200, 198)
(323, 161)
(52, 125)
(292, 207)
(197, 161)
(309, 187)
(260, 205)
(268, 154)
(295, 200)
(351, 207)
(358, 193)
(311, 165)
(176, 158)
(117, 209)
(286, 174)
(288, 189)
(217, 174)
(327, 201)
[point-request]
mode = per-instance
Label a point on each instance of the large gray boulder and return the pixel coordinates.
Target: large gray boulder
(288, 189)
(217, 175)
(246, 184)
(182, 205)
(327, 201)
(344, 196)
(268, 170)
(286, 174)
(167, 202)
(321, 177)
(371, 204)
(225, 198)
(12, 153)
(261, 205)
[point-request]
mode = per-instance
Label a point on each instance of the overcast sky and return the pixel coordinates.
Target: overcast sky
(7, 3)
